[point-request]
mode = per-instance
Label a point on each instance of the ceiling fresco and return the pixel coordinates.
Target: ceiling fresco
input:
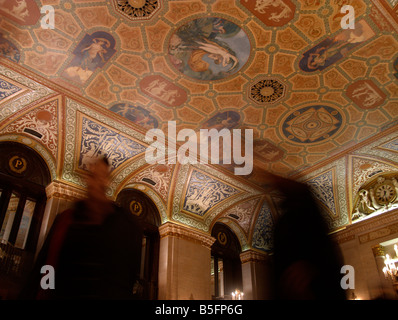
(322, 100)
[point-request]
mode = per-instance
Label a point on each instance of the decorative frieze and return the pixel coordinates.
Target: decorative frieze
(369, 229)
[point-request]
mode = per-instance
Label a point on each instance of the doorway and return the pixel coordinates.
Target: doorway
(140, 205)
(226, 273)
(23, 178)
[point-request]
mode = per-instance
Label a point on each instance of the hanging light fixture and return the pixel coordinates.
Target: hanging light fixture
(390, 269)
(237, 295)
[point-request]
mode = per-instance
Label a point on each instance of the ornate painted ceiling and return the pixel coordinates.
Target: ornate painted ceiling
(322, 100)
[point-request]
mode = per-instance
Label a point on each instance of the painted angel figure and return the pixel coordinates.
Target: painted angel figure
(218, 54)
(91, 52)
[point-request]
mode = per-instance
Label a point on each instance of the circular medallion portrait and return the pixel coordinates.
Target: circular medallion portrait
(209, 48)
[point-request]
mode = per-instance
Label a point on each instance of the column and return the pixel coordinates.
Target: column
(184, 263)
(60, 196)
(256, 275)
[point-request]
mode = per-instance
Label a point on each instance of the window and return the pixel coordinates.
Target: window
(141, 206)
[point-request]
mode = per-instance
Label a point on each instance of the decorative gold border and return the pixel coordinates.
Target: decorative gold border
(385, 149)
(17, 94)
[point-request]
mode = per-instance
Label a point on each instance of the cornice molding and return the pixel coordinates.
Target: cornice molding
(170, 229)
(369, 229)
(253, 256)
(61, 190)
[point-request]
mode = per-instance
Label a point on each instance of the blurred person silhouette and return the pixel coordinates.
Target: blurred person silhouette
(94, 248)
(307, 262)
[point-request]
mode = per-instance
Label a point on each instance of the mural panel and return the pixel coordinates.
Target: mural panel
(136, 114)
(23, 12)
(163, 90)
(263, 231)
(332, 49)
(92, 52)
(395, 66)
(267, 150)
(41, 123)
(204, 192)
(7, 89)
(98, 140)
(273, 13)
(323, 187)
(209, 48)
(366, 94)
(157, 177)
(243, 213)
(8, 49)
(222, 120)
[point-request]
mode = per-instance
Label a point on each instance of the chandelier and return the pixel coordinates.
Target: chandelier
(237, 295)
(390, 269)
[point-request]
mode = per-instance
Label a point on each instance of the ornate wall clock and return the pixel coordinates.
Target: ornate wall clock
(385, 193)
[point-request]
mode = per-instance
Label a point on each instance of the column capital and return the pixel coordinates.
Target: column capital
(62, 190)
(378, 250)
(170, 229)
(253, 256)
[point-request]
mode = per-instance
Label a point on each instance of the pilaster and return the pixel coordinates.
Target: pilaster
(256, 275)
(184, 263)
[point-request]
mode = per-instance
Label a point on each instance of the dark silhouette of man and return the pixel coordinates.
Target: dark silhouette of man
(307, 262)
(94, 248)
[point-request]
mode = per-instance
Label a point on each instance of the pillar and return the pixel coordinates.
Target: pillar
(256, 275)
(60, 197)
(184, 263)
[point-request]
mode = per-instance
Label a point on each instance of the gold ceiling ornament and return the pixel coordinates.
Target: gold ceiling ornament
(137, 9)
(267, 90)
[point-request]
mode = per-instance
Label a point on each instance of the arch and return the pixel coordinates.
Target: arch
(152, 195)
(145, 210)
(225, 255)
(140, 204)
(36, 146)
(22, 162)
(24, 176)
(237, 230)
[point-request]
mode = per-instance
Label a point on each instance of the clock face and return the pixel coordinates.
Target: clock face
(385, 193)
